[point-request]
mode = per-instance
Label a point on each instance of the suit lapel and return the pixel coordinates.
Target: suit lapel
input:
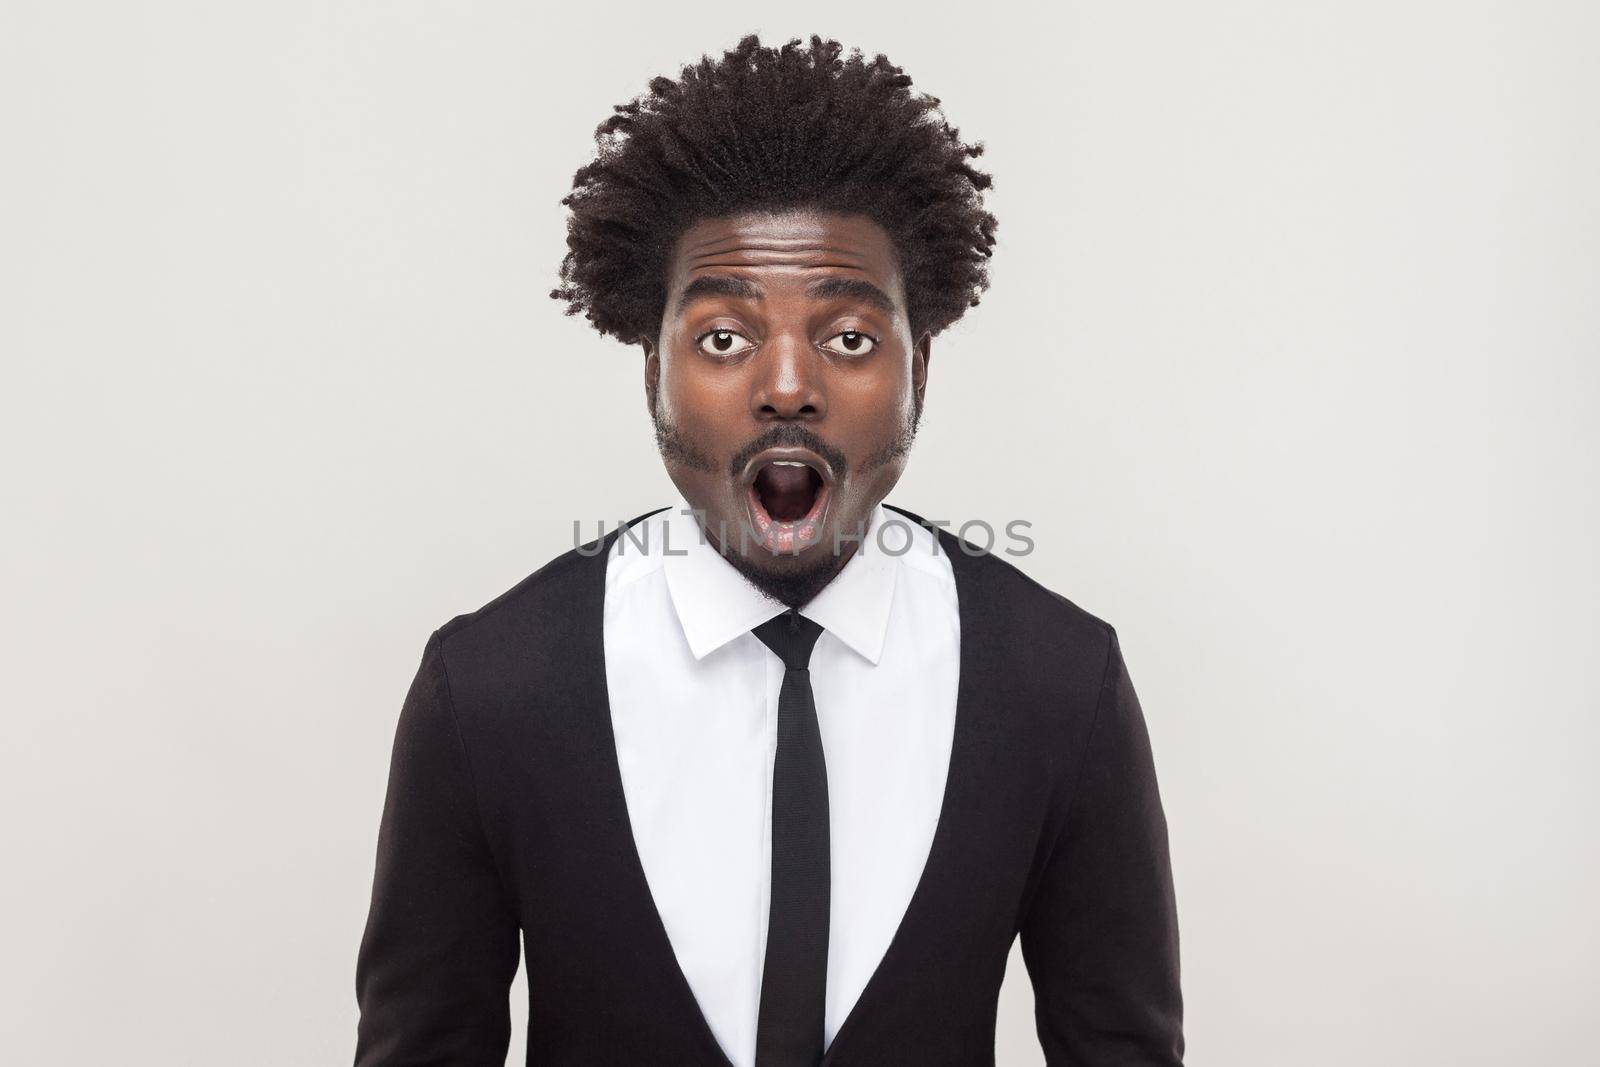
(654, 953)
(926, 921)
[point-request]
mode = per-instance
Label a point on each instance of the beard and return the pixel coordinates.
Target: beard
(674, 446)
(792, 586)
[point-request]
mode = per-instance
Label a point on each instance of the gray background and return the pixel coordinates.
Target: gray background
(1290, 359)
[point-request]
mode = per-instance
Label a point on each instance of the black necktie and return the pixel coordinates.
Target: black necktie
(795, 975)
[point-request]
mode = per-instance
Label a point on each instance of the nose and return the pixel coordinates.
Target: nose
(788, 382)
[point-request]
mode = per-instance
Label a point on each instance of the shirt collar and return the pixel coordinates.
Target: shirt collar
(715, 603)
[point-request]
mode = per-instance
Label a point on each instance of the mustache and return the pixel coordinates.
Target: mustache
(794, 435)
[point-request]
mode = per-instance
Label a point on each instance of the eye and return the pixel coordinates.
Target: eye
(850, 343)
(723, 343)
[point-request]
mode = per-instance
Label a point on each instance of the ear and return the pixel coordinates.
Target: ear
(652, 374)
(921, 353)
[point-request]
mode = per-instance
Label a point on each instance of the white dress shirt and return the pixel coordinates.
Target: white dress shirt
(694, 707)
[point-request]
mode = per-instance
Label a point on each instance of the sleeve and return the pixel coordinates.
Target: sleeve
(440, 948)
(1100, 936)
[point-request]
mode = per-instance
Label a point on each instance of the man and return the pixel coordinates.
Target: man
(775, 776)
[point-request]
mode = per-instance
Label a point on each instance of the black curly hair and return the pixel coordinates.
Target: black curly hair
(770, 129)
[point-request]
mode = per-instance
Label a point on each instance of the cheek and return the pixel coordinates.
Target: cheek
(693, 396)
(881, 399)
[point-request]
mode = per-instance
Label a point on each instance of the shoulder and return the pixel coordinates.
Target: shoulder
(1044, 622)
(560, 581)
(548, 613)
(1029, 645)
(1047, 667)
(998, 583)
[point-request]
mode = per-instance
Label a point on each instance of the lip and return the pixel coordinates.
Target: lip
(787, 454)
(787, 538)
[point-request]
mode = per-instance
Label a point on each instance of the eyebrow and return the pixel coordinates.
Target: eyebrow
(718, 285)
(823, 288)
(859, 288)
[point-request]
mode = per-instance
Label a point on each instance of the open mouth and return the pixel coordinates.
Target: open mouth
(787, 490)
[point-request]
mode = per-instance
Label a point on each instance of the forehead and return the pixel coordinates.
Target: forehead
(795, 246)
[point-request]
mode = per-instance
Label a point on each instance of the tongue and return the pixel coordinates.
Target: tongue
(786, 492)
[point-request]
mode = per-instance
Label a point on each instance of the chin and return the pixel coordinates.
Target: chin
(792, 580)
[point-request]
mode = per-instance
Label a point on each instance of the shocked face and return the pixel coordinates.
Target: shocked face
(785, 386)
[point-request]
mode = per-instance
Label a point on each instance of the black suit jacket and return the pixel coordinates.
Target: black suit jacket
(505, 814)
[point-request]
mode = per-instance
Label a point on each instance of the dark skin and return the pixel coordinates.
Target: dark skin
(785, 379)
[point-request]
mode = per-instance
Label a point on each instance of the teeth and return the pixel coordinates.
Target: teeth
(787, 463)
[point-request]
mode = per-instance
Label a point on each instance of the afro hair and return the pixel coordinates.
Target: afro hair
(769, 129)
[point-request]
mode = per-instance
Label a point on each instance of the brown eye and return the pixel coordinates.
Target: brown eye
(723, 343)
(850, 343)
